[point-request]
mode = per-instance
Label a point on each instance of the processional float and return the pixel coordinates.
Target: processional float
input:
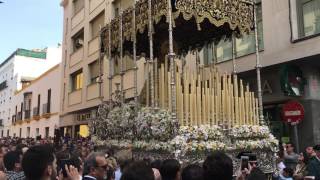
(182, 112)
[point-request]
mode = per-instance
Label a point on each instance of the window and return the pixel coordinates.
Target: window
(49, 101)
(96, 24)
(77, 80)
(28, 131)
(208, 54)
(47, 132)
(94, 71)
(224, 50)
(37, 132)
(77, 40)
(77, 6)
(308, 17)
(243, 46)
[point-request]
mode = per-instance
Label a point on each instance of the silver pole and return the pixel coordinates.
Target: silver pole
(110, 65)
(135, 58)
(234, 53)
(258, 66)
(295, 131)
(150, 33)
(101, 55)
(171, 56)
(121, 60)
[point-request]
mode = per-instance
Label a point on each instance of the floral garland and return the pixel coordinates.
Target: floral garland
(249, 131)
(153, 130)
(154, 124)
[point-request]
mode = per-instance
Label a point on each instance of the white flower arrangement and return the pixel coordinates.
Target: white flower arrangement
(153, 130)
(154, 124)
(265, 143)
(202, 132)
(250, 131)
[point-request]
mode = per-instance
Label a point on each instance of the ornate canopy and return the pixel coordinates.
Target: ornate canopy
(195, 22)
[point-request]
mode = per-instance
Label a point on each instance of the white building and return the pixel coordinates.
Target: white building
(36, 106)
(21, 67)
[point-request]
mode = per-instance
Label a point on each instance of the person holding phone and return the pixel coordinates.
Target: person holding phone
(313, 167)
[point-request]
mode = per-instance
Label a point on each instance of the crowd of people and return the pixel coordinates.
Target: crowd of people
(293, 166)
(79, 159)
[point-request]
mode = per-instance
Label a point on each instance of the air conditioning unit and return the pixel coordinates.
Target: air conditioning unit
(79, 42)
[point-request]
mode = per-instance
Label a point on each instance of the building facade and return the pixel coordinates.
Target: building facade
(289, 54)
(80, 74)
(288, 44)
(17, 71)
(36, 106)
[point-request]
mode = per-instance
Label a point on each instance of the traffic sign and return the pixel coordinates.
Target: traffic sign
(292, 112)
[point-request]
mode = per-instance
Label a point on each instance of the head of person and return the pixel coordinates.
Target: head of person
(303, 158)
(316, 149)
(287, 172)
(96, 166)
(39, 163)
(255, 174)
(192, 172)
(290, 147)
(309, 151)
(3, 150)
(12, 161)
(156, 164)
(139, 170)
(170, 169)
(218, 166)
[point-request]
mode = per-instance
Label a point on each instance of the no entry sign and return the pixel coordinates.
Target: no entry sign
(292, 112)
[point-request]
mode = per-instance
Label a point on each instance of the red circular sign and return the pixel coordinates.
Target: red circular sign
(292, 112)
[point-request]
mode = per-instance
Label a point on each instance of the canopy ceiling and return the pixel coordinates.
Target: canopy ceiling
(195, 23)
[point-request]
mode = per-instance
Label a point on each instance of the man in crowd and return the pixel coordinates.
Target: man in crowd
(95, 167)
(170, 169)
(313, 167)
(218, 166)
(138, 171)
(12, 163)
(39, 163)
(290, 157)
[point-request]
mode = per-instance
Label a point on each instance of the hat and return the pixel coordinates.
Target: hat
(316, 147)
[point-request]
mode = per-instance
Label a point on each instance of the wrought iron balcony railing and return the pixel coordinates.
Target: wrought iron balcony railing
(46, 108)
(19, 116)
(27, 114)
(36, 111)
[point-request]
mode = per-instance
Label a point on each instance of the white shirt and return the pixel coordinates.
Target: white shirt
(117, 174)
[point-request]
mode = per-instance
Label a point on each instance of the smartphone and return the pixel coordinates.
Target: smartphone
(244, 162)
(64, 162)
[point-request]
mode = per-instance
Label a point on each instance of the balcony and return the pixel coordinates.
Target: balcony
(27, 114)
(93, 91)
(14, 119)
(19, 116)
(76, 57)
(94, 4)
(77, 18)
(36, 113)
(46, 110)
(93, 45)
(75, 97)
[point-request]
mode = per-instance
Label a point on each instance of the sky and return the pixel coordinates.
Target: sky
(29, 24)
